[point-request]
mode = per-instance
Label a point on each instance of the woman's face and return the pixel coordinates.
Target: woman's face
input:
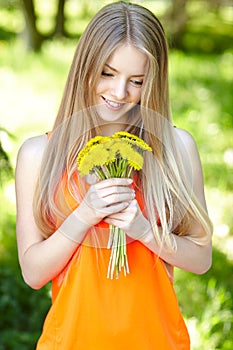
(119, 87)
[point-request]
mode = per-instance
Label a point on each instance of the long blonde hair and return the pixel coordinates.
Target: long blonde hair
(163, 179)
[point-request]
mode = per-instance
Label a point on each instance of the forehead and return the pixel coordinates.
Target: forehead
(128, 58)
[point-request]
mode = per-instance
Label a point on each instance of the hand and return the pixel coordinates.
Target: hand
(131, 220)
(105, 198)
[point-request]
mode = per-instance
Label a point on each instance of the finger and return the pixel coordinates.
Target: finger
(126, 214)
(115, 208)
(122, 216)
(133, 207)
(113, 182)
(133, 204)
(111, 195)
(117, 223)
(116, 198)
(104, 192)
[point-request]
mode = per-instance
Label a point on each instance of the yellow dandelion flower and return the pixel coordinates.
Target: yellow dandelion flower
(133, 139)
(96, 140)
(97, 156)
(134, 158)
(81, 155)
(86, 167)
(89, 146)
(111, 160)
(135, 165)
(126, 151)
(108, 157)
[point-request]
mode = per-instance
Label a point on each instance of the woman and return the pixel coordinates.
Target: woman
(118, 81)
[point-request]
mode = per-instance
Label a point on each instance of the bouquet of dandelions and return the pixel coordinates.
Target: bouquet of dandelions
(107, 157)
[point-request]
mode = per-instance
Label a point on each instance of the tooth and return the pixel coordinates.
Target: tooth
(114, 104)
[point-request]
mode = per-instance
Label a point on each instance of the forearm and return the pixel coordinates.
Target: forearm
(43, 260)
(187, 255)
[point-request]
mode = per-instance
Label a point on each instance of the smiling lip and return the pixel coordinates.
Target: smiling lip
(112, 104)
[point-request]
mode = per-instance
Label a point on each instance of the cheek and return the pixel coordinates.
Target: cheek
(98, 92)
(137, 95)
(101, 87)
(98, 88)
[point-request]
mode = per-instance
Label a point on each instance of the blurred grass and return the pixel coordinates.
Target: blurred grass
(22, 310)
(208, 30)
(201, 91)
(201, 96)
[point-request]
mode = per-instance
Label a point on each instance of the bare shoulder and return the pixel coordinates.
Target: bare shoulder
(33, 149)
(188, 151)
(184, 137)
(191, 162)
(29, 159)
(186, 144)
(34, 145)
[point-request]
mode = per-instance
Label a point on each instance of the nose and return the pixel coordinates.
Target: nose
(120, 89)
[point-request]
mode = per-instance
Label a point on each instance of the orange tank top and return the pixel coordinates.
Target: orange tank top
(135, 312)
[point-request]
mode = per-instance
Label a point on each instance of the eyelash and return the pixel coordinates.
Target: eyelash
(135, 82)
(139, 83)
(105, 74)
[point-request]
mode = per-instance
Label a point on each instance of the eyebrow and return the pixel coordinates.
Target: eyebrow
(115, 70)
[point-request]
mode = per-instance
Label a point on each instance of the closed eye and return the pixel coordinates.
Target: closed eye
(136, 82)
(105, 74)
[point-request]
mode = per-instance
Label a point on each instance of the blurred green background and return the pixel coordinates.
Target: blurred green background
(37, 42)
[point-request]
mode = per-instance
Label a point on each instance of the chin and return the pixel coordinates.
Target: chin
(110, 116)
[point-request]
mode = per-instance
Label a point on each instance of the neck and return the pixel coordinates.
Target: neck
(109, 129)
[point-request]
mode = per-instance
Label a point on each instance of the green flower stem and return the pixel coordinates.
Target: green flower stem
(107, 170)
(114, 252)
(117, 237)
(129, 171)
(118, 258)
(108, 157)
(111, 233)
(113, 169)
(99, 173)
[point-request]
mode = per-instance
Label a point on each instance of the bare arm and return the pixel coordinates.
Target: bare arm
(40, 259)
(189, 255)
